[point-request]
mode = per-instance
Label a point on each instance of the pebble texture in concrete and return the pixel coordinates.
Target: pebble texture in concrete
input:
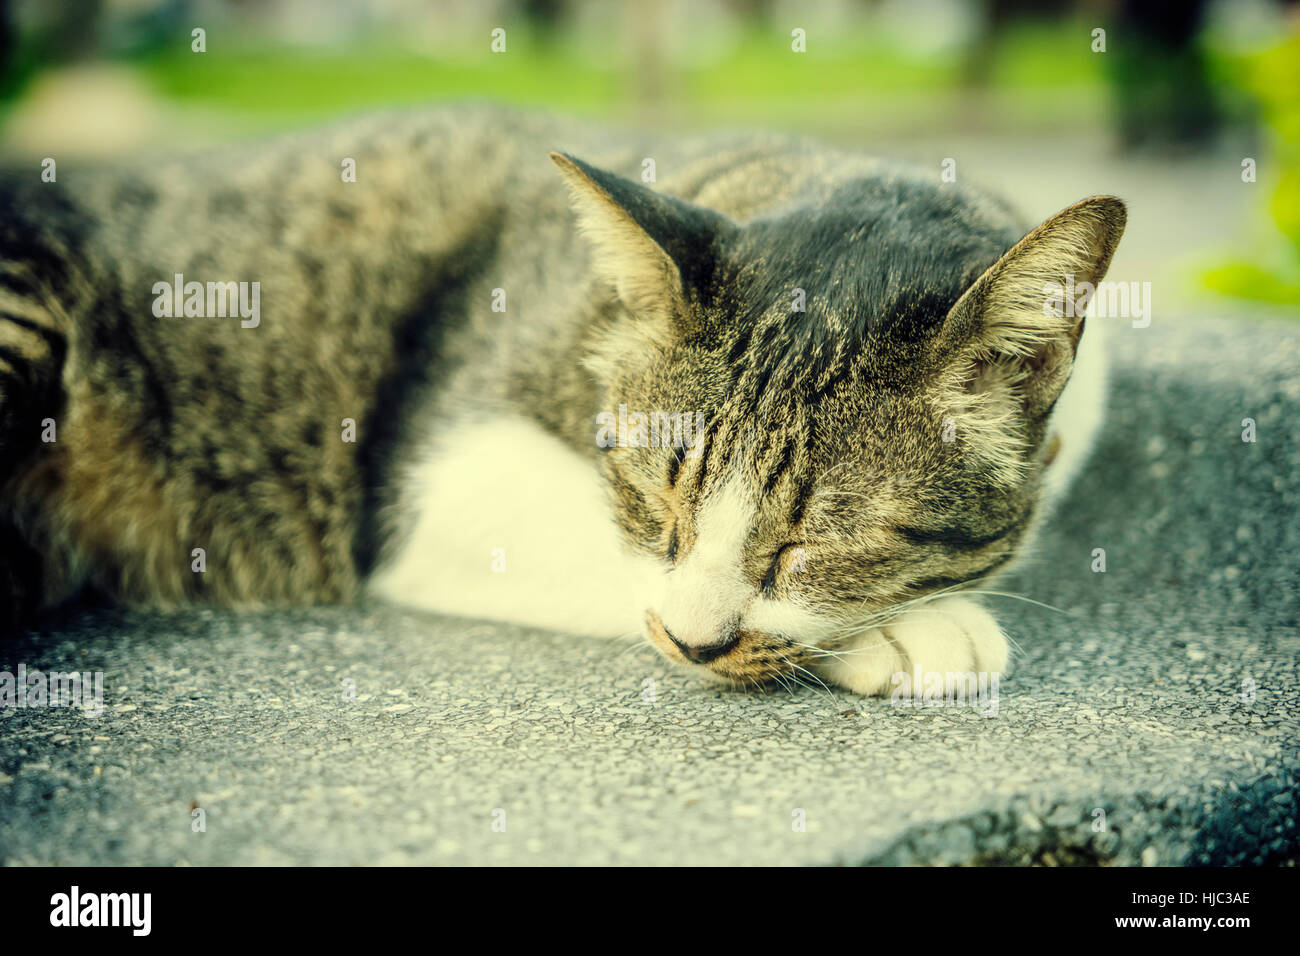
(1152, 720)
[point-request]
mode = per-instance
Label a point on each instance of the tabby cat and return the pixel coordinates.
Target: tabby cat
(772, 405)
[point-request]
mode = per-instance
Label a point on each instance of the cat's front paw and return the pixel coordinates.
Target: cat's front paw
(951, 635)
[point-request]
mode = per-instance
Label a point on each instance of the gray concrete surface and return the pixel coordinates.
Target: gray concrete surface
(1152, 720)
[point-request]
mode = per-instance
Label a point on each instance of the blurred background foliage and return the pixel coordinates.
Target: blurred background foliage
(1272, 274)
(1182, 93)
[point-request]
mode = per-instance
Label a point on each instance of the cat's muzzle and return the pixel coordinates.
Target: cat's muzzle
(742, 656)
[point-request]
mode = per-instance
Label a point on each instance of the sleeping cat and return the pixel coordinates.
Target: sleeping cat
(771, 405)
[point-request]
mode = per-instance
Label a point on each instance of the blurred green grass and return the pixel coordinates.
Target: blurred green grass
(840, 77)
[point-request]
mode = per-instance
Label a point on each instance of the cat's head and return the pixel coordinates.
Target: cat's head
(873, 374)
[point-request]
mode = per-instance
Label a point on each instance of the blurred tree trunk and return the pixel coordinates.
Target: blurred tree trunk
(1163, 96)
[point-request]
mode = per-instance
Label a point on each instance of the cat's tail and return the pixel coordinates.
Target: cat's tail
(34, 274)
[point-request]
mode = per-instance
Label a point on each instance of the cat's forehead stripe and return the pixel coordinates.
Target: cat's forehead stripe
(800, 505)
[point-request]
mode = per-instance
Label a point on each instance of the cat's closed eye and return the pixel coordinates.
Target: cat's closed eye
(673, 543)
(791, 555)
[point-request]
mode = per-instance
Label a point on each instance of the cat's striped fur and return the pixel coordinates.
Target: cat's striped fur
(887, 442)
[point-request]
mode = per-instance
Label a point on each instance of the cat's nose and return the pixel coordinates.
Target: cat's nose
(703, 653)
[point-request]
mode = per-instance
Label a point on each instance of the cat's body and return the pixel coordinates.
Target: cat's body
(445, 313)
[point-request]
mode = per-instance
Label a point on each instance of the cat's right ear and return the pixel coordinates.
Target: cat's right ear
(658, 252)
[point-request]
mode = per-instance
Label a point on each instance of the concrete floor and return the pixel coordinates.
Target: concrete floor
(1151, 720)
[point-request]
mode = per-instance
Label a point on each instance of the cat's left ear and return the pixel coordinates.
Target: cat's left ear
(1020, 322)
(659, 252)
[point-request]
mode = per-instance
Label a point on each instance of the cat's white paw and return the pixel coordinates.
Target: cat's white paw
(944, 636)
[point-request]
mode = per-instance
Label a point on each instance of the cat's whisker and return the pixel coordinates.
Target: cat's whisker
(846, 494)
(804, 670)
(1021, 597)
(921, 597)
(883, 617)
(825, 475)
(636, 642)
(813, 649)
(780, 679)
(888, 614)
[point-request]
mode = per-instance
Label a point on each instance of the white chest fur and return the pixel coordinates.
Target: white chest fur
(510, 524)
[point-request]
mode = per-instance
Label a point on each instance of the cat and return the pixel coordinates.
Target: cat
(773, 406)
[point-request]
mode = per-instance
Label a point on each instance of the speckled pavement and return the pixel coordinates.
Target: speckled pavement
(1151, 720)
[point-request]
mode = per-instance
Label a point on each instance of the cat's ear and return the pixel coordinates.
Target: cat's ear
(1020, 322)
(657, 251)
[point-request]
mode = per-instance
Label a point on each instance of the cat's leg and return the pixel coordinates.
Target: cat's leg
(950, 635)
